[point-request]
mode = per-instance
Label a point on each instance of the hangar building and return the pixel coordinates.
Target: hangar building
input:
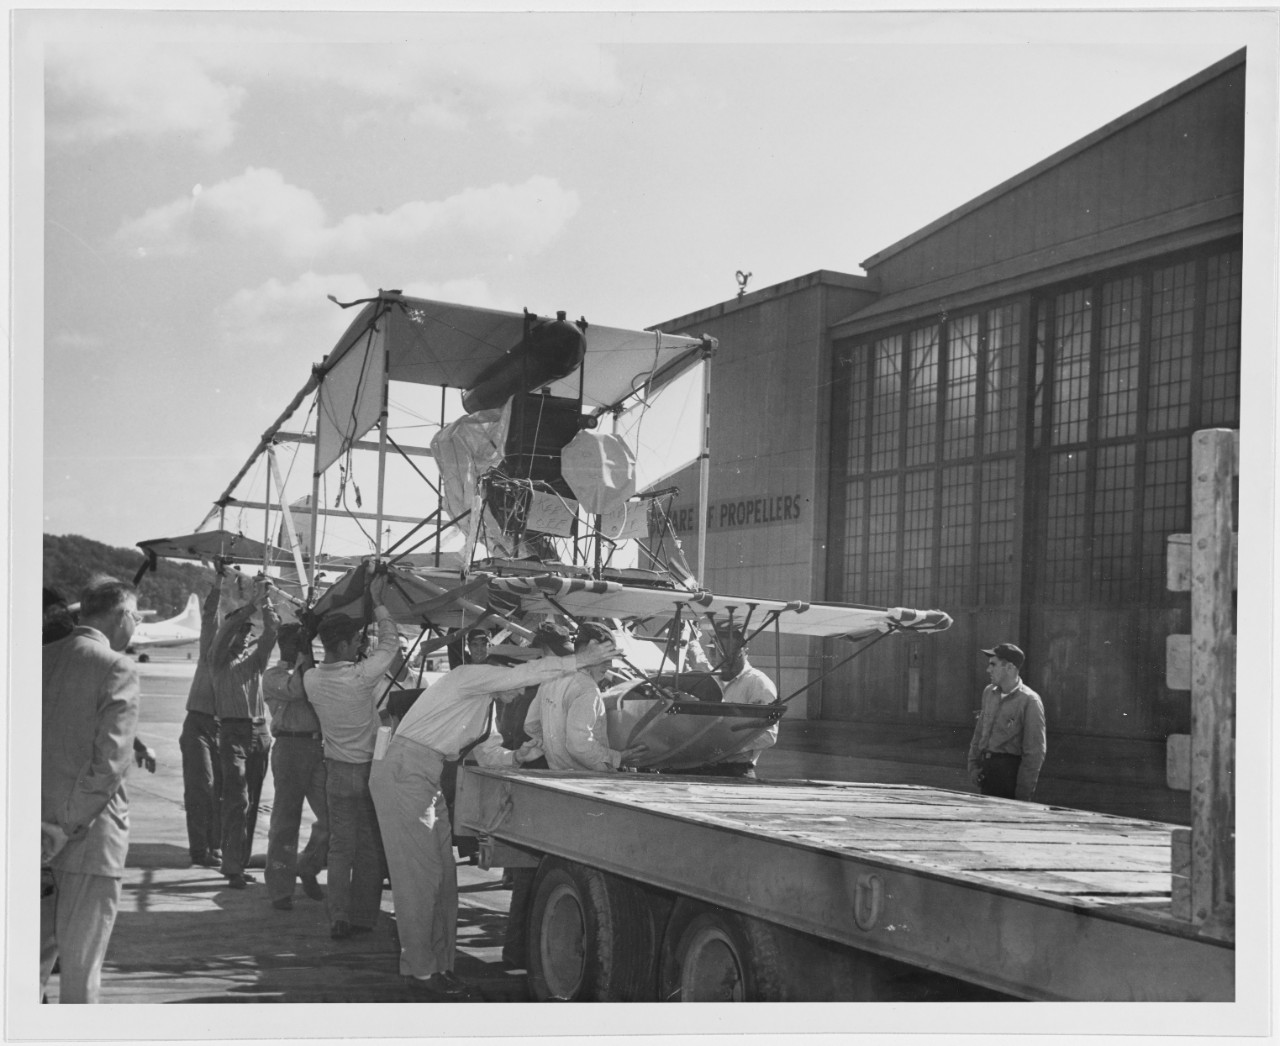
(996, 421)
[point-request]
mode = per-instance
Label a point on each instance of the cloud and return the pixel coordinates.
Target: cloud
(276, 314)
(259, 206)
(96, 91)
(155, 83)
(77, 341)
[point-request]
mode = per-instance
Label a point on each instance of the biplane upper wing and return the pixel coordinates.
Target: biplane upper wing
(440, 343)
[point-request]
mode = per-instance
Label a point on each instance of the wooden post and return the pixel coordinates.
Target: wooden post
(1214, 463)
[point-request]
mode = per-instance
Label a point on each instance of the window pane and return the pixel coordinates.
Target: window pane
(855, 508)
(858, 409)
(1042, 371)
(997, 519)
(1172, 313)
(1062, 576)
(922, 396)
(886, 403)
(1118, 397)
(1073, 328)
(1113, 524)
(954, 556)
(1004, 335)
(1166, 507)
(1220, 389)
(917, 539)
(882, 558)
(962, 385)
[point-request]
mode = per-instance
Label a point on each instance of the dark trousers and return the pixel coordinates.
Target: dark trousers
(243, 748)
(201, 783)
(998, 775)
(298, 772)
(355, 845)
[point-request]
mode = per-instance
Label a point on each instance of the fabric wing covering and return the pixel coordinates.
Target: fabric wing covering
(205, 545)
(444, 601)
(438, 343)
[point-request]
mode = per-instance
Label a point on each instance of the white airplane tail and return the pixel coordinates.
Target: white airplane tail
(190, 616)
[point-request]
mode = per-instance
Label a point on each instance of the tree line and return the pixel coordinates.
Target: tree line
(71, 560)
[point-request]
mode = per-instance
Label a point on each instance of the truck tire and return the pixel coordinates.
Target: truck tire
(713, 955)
(592, 936)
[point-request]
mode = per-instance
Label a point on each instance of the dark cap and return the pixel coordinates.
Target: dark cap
(553, 638)
(478, 633)
(1007, 652)
(337, 627)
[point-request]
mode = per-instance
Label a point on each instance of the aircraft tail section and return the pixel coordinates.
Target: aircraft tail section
(190, 616)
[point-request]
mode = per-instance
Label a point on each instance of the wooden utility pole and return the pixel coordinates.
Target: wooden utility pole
(1204, 563)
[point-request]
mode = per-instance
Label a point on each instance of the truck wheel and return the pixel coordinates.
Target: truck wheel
(592, 936)
(713, 955)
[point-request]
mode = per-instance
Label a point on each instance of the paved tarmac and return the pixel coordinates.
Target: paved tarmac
(183, 936)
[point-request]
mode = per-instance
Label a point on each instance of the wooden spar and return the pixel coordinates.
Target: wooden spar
(382, 446)
(286, 514)
(704, 470)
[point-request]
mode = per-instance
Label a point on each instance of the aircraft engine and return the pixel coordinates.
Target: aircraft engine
(550, 350)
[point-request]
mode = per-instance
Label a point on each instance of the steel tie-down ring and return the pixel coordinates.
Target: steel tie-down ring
(868, 901)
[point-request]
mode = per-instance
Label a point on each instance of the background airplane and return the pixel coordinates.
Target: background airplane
(176, 631)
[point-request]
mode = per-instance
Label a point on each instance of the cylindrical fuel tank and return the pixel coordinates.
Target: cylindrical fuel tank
(549, 351)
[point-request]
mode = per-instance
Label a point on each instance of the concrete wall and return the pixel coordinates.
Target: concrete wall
(769, 416)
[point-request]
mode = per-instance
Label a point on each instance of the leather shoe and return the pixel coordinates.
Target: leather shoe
(340, 930)
(238, 882)
(444, 984)
(285, 904)
(206, 860)
(311, 888)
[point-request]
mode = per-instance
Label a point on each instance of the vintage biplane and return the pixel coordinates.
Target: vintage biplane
(530, 511)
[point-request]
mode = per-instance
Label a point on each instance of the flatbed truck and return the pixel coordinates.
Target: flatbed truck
(684, 888)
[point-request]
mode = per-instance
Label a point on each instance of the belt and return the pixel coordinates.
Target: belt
(242, 719)
(1000, 755)
(312, 734)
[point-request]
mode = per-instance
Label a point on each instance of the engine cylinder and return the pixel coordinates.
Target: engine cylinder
(551, 350)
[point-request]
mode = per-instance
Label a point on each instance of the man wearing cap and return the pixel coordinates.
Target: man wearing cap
(1008, 745)
(452, 717)
(297, 769)
(344, 692)
(244, 742)
(567, 719)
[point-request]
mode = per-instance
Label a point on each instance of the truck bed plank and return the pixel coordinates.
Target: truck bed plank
(1037, 901)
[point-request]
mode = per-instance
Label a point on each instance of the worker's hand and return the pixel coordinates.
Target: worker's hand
(528, 752)
(595, 653)
(269, 612)
(975, 778)
(52, 840)
(145, 756)
(630, 755)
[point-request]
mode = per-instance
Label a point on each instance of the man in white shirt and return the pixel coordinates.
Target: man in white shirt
(344, 694)
(742, 684)
(567, 719)
(450, 718)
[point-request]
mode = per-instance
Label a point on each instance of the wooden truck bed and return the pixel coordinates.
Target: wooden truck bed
(1036, 901)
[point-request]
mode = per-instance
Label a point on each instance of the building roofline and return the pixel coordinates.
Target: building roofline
(1218, 68)
(817, 278)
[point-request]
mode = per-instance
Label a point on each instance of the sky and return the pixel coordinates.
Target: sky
(197, 184)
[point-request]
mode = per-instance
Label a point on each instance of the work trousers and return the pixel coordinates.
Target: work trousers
(355, 845)
(298, 772)
(201, 783)
(243, 748)
(424, 878)
(998, 775)
(75, 927)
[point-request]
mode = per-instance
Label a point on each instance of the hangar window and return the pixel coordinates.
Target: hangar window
(1127, 368)
(939, 506)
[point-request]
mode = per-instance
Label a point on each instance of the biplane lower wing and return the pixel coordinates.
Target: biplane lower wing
(547, 593)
